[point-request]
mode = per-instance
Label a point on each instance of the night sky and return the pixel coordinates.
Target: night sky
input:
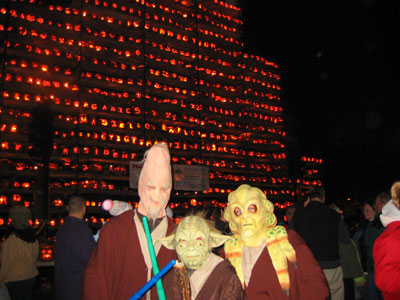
(341, 84)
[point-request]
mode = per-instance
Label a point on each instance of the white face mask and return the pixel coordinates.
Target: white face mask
(155, 183)
(156, 194)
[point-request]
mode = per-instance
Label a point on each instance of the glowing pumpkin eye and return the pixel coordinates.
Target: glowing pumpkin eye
(252, 208)
(237, 211)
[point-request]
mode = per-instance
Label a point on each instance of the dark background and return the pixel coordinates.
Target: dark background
(340, 81)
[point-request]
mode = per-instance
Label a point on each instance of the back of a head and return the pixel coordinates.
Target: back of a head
(76, 204)
(384, 197)
(20, 216)
(316, 193)
(290, 211)
(335, 207)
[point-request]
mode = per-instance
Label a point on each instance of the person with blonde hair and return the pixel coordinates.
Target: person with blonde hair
(386, 248)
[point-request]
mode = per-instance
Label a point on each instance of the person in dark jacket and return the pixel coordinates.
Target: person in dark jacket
(74, 244)
(370, 233)
(322, 229)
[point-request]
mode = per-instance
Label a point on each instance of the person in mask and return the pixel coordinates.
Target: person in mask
(209, 275)
(120, 263)
(271, 262)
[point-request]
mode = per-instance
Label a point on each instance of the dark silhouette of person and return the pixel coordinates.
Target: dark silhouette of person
(74, 245)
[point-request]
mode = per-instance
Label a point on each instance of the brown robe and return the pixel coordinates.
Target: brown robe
(222, 284)
(307, 282)
(117, 269)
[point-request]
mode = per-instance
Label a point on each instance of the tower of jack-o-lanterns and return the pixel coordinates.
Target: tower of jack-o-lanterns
(110, 79)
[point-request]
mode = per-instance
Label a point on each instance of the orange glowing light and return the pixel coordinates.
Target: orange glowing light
(17, 197)
(3, 200)
(46, 253)
(58, 203)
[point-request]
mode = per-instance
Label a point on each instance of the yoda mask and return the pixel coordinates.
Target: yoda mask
(193, 241)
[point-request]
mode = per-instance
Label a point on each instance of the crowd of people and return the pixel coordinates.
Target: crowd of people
(241, 252)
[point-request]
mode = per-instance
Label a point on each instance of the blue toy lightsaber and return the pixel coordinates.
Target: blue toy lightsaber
(152, 281)
(160, 287)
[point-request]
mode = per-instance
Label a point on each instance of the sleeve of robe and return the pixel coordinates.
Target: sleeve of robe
(310, 278)
(116, 268)
(233, 290)
(222, 284)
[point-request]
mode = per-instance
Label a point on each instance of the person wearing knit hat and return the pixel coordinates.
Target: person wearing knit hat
(270, 261)
(20, 216)
(120, 263)
(386, 248)
(19, 254)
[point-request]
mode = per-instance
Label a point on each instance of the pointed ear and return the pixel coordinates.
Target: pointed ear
(217, 239)
(169, 242)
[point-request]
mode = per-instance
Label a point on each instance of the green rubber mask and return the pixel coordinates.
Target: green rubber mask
(193, 241)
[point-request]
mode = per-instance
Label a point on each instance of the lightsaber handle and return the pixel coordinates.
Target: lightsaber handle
(152, 281)
(159, 285)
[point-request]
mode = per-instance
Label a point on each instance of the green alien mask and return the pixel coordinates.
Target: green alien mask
(249, 213)
(193, 240)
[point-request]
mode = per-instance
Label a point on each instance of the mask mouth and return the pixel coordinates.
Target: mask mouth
(247, 224)
(153, 212)
(192, 256)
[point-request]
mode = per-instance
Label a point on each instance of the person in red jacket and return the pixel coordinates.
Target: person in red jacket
(386, 248)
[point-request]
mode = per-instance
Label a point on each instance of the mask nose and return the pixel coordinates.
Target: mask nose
(156, 194)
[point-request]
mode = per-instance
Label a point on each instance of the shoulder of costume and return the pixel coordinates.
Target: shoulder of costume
(294, 238)
(123, 220)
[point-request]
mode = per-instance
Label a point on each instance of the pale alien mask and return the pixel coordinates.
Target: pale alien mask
(193, 241)
(155, 182)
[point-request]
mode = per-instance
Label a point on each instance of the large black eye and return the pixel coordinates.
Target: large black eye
(252, 208)
(237, 211)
